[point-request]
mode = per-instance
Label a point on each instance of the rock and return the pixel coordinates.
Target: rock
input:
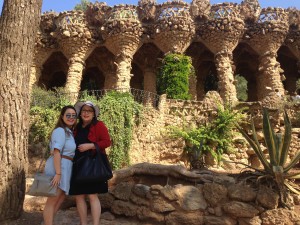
(190, 198)
(214, 193)
(280, 217)
(267, 197)
(241, 193)
(240, 209)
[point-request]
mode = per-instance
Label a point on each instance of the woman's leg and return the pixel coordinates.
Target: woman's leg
(81, 208)
(59, 202)
(95, 208)
(50, 207)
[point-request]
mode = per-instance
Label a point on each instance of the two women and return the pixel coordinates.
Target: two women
(88, 133)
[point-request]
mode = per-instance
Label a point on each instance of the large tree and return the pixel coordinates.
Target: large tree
(18, 28)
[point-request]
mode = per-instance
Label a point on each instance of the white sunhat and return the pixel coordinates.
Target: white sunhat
(79, 105)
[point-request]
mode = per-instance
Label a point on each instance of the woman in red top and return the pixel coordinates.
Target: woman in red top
(89, 131)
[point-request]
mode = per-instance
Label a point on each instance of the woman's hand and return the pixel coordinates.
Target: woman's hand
(56, 180)
(85, 147)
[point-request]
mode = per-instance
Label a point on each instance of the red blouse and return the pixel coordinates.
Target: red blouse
(99, 134)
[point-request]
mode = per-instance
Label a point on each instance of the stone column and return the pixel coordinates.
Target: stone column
(150, 86)
(270, 88)
(150, 80)
(227, 89)
(74, 77)
(123, 75)
(193, 87)
(110, 80)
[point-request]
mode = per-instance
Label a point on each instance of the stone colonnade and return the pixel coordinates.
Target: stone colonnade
(169, 27)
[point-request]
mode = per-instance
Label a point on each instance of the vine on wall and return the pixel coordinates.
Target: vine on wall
(119, 112)
(173, 78)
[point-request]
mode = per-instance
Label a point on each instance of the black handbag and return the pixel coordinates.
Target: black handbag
(92, 167)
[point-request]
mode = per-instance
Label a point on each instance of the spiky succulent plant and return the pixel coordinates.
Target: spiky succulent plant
(278, 147)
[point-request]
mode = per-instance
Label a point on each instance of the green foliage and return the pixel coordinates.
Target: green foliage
(55, 99)
(82, 5)
(277, 145)
(241, 88)
(173, 78)
(44, 111)
(119, 111)
(215, 137)
(42, 122)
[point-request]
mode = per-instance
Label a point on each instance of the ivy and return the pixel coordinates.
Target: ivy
(173, 78)
(119, 112)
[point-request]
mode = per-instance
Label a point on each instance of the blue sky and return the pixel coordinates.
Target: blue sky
(63, 5)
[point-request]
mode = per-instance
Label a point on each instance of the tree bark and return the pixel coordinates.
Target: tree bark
(18, 27)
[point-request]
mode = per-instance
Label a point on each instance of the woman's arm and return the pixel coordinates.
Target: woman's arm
(98, 134)
(102, 136)
(58, 139)
(57, 167)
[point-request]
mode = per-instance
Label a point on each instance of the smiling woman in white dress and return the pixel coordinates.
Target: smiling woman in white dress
(59, 164)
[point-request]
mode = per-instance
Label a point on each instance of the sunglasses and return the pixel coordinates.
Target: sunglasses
(71, 116)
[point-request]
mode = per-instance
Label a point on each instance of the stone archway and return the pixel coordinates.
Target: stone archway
(100, 71)
(137, 80)
(54, 72)
(246, 65)
(205, 69)
(93, 79)
(288, 62)
(145, 67)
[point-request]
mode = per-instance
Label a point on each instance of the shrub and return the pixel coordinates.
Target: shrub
(215, 137)
(119, 111)
(44, 111)
(173, 78)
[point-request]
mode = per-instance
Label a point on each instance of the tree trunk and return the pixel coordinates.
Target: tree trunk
(18, 27)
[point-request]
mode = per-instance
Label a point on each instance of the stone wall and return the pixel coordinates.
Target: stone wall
(207, 198)
(151, 144)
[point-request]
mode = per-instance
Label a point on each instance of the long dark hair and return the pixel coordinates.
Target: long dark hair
(60, 121)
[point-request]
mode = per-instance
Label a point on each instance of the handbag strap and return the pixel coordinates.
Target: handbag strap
(44, 156)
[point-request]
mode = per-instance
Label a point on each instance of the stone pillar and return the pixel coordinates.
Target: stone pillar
(226, 85)
(200, 88)
(74, 77)
(149, 86)
(123, 75)
(269, 85)
(193, 87)
(150, 80)
(110, 80)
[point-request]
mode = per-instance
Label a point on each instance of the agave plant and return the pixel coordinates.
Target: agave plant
(277, 145)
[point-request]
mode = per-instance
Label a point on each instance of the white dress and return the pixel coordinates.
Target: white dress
(63, 141)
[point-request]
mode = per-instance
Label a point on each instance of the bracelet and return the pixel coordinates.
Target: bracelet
(58, 173)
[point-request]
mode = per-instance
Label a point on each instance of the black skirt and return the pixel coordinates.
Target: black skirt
(80, 188)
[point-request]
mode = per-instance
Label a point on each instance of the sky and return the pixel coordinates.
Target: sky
(64, 5)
